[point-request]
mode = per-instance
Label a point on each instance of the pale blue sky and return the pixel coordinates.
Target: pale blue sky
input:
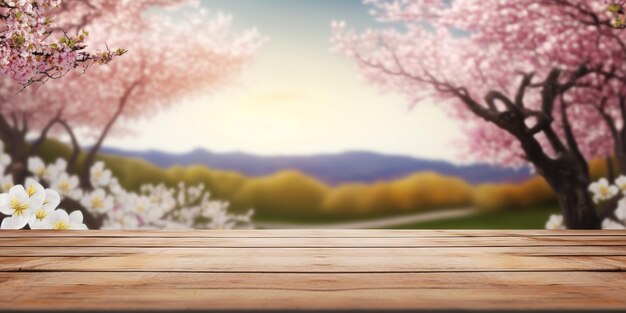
(298, 97)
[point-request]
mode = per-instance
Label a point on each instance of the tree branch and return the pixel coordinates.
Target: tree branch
(569, 135)
(34, 148)
(521, 91)
(71, 163)
(91, 155)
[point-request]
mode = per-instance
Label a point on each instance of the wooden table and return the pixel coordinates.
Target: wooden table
(313, 269)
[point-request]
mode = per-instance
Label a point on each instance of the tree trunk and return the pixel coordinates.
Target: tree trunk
(18, 170)
(570, 180)
(15, 146)
(621, 164)
(610, 170)
(18, 150)
(71, 163)
(620, 153)
(577, 207)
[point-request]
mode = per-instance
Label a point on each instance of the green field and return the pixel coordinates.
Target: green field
(532, 218)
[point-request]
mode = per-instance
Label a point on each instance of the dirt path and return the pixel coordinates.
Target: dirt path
(378, 223)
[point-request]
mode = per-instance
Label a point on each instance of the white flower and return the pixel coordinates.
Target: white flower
(49, 205)
(141, 205)
(98, 201)
(155, 213)
(181, 199)
(620, 182)
(602, 190)
(100, 176)
(120, 219)
(620, 211)
(6, 183)
(54, 170)
(32, 204)
(5, 160)
(60, 220)
(67, 186)
(35, 190)
(115, 187)
(36, 166)
(18, 205)
(611, 224)
(555, 222)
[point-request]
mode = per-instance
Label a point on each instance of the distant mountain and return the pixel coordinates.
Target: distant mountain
(333, 169)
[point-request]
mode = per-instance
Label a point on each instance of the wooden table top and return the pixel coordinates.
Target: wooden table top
(313, 270)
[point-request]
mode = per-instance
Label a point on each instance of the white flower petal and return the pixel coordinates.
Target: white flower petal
(18, 192)
(19, 221)
(53, 199)
(7, 223)
(610, 224)
(45, 224)
(35, 189)
(4, 204)
(76, 217)
(80, 226)
(59, 215)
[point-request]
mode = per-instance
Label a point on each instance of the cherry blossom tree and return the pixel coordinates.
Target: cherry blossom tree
(532, 81)
(169, 59)
(172, 61)
(28, 55)
(21, 115)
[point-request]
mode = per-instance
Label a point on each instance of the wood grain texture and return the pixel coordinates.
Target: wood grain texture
(303, 233)
(313, 269)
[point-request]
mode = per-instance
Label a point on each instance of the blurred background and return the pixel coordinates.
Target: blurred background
(287, 129)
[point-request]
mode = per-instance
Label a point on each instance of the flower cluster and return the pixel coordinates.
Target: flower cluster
(602, 191)
(153, 207)
(26, 52)
(198, 209)
(160, 207)
(30, 204)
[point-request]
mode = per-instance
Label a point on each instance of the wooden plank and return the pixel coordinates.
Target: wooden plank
(275, 242)
(313, 269)
(297, 233)
(426, 291)
(79, 251)
(320, 260)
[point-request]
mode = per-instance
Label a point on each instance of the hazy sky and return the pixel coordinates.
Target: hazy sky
(298, 97)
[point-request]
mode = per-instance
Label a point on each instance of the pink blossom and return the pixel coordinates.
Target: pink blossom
(487, 45)
(28, 52)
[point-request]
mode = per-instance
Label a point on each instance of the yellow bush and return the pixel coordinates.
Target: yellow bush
(413, 193)
(532, 192)
(284, 194)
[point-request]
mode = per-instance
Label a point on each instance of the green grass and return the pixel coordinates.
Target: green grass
(534, 218)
